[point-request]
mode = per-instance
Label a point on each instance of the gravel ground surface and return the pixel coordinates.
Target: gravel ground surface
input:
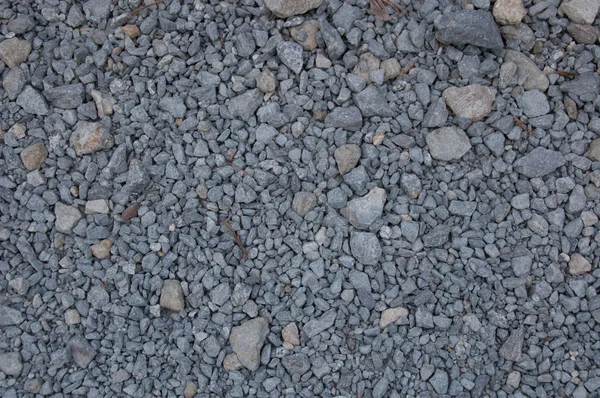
(293, 198)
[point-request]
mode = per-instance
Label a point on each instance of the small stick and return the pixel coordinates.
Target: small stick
(138, 10)
(236, 238)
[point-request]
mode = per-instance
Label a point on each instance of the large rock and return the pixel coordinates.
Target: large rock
(89, 138)
(66, 97)
(11, 363)
(173, 105)
(81, 351)
(583, 34)
(581, 11)
(247, 340)
(585, 83)
(448, 143)
(473, 102)
(10, 316)
(535, 79)
(333, 41)
(347, 157)
(288, 8)
(304, 202)
(291, 55)
(579, 265)
(365, 247)
(593, 151)
(470, 27)
(372, 102)
(171, 295)
(348, 118)
(67, 217)
(317, 325)
(539, 163)
(306, 34)
(512, 347)
(391, 315)
(364, 211)
(32, 102)
(509, 12)
(14, 51)
(33, 156)
(244, 106)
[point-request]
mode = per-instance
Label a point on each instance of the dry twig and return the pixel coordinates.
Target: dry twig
(236, 238)
(138, 10)
(379, 9)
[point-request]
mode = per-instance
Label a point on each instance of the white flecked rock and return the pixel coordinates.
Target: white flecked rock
(67, 217)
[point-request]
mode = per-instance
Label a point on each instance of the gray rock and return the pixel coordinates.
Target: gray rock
(436, 115)
(365, 247)
(67, 218)
(437, 237)
(81, 351)
(290, 54)
(477, 28)
(521, 265)
(171, 295)
(137, 177)
(357, 179)
(372, 102)
(577, 200)
(247, 341)
(335, 45)
(296, 364)
(288, 8)
(473, 102)
(32, 102)
(405, 44)
(512, 347)
(426, 371)
(21, 24)
(241, 294)
(97, 10)
(98, 297)
(245, 44)
(579, 265)
(173, 105)
(14, 51)
(245, 194)
(535, 79)
(362, 212)
(410, 230)
(65, 97)
(347, 157)
(348, 118)
(244, 106)
(345, 16)
(317, 325)
(462, 208)
(11, 363)
(75, 18)
(448, 143)
(411, 184)
(581, 11)
(13, 83)
(265, 133)
(440, 381)
(90, 138)
(424, 319)
(220, 294)
(337, 198)
(495, 143)
(585, 83)
(10, 316)
(534, 103)
(304, 202)
(539, 162)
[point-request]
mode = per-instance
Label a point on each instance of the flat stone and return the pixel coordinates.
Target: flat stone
(288, 8)
(535, 79)
(436, 115)
(391, 315)
(72, 317)
(437, 237)
(97, 206)
(347, 118)
(534, 103)
(306, 34)
(512, 347)
(366, 64)
(32, 102)
(247, 341)
(101, 250)
(347, 157)
(21, 24)
(585, 83)
(190, 390)
(81, 351)
(11, 363)
(509, 12)
(296, 364)
(583, 34)
(304, 202)
(244, 106)
(34, 156)
(580, 11)
(475, 27)
(372, 102)
(539, 163)
(10, 316)
(448, 143)
(266, 82)
(365, 247)
(290, 334)
(13, 83)
(14, 51)
(593, 151)
(364, 211)
(462, 208)
(65, 97)
(90, 138)
(473, 102)
(67, 217)
(579, 265)
(171, 296)
(290, 54)
(315, 326)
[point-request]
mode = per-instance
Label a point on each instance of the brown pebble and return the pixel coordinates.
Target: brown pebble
(131, 31)
(130, 212)
(34, 156)
(101, 249)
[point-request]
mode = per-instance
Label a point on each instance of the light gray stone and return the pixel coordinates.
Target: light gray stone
(363, 211)
(247, 341)
(448, 143)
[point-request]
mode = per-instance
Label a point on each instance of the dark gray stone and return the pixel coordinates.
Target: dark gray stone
(539, 162)
(474, 27)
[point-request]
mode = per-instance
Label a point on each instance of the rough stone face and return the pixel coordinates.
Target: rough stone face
(104, 103)
(14, 51)
(585, 83)
(13, 83)
(509, 12)
(11, 363)
(362, 212)
(347, 157)
(10, 316)
(97, 206)
(101, 250)
(296, 364)
(448, 143)
(512, 347)
(365, 247)
(247, 341)
(171, 296)
(33, 156)
(539, 162)
(244, 106)
(348, 118)
(594, 150)
(173, 105)
(67, 218)
(81, 351)
(66, 97)
(535, 79)
(579, 265)
(335, 45)
(89, 138)
(372, 102)
(290, 334)
(473, 102)
(470, 27)
(581, 11)
(32, 102)
(534, 103)
(306, 34)
(391, 315)
(391, 68)
(584, 34)
(266, 82)
(317, 325)
(366, 64)
(304, 202)
(288, 8)
(291, 55)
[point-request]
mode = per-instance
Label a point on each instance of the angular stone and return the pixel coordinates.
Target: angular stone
(81, 351)
(580, 11)
(306, 34)
(535, 79)
(101, 250)
(366, 64)
(448, 143)
(291, 55)
(391, 315)
(244, 106)
(470, 27)
(473, 102)
(462, 208)
(440, 381)
(539, 163)
(89, 138)
(579, 265)
(171, 296)
(347, 157)
(290, 334)
(512, 347)
(317, 325)
(509, 12)
(391, 68)
(173, 105)
(436, 115)
(247, 341)
(585, 83)
(583, 34)
(11, 363)
(131, 30)
(411, 184)
(266, 82)
(137, 177)
(296, 364)
(348, 118)
(231, 362)
(34, 156)
(304, 202)
(365, 247)
(437, 237)
(65, 97)
(13, 83)
(67, 217)
(333, 41)
(97, 206)
(364, 211)
(32, 102)
(10, 316)
(593, 151)
(14, 51)
(288, 8)
(104, 103)
(97, 10)
(21, 24)
(372, 102)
